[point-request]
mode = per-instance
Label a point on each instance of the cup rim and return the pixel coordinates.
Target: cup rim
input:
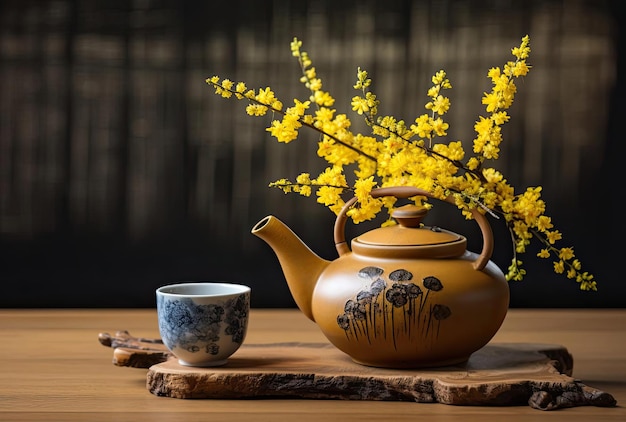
(232, 289)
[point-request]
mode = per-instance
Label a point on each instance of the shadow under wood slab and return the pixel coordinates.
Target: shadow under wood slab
(500, 374)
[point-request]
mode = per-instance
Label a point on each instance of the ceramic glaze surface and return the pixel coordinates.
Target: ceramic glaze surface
(409, 314)
(203, 323)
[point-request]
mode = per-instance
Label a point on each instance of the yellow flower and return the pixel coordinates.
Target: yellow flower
(423, 128)
(362, 80)
(515, 271)
(266, 96)
(315, 84)
(433, 92)
(323, 99)
(397, 154)
(439, 127)
(492, 175)
(295, 47)
(491, 151)
(544, 223)
(520, 69)
(544, 253)
(522, 52)
(439, 77)
(303, 184)
(453, 151)
(553, 236)
(299, 107)
(441, 104)
(360, 105)
(559, 267)
(256, 110)
(566, 253)
(500, 118)
(494, 74)
(473, 163)
(492, 100)
(363, 187)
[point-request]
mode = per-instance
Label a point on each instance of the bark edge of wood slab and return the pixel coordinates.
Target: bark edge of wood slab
(499, 374)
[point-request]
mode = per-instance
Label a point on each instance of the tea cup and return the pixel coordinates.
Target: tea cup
(203, 323)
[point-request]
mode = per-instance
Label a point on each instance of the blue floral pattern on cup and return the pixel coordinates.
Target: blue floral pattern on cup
(194, 328)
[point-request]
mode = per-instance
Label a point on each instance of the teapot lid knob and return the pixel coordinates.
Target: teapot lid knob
(409, 215)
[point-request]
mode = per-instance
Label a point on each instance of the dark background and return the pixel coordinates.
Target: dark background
(121, 171)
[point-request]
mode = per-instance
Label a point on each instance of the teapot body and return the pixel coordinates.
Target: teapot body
(409, 313)
(403, 296)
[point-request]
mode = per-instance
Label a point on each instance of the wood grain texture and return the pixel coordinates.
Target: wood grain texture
(55, 369)
(499, 374)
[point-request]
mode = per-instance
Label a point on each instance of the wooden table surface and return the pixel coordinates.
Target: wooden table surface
(53, 368)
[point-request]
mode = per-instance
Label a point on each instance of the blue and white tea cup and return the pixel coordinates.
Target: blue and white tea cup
(203, 323)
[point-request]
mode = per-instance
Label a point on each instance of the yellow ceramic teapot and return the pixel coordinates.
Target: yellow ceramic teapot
(404, 296)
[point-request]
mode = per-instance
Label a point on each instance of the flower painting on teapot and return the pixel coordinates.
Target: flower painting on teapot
(397, 307)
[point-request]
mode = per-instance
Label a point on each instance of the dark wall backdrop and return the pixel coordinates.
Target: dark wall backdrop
(121, 171)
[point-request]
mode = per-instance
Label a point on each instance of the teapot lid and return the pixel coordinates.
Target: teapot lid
(410, 238)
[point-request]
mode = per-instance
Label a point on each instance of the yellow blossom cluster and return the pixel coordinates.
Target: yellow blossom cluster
(397, 153)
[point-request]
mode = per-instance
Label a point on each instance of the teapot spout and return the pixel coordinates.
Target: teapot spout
(301, 266)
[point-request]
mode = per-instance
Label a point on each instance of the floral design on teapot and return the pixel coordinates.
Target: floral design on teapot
(397, 308)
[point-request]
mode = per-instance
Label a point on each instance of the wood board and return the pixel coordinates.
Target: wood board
(500, 374)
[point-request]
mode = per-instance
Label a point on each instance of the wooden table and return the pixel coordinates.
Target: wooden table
(53, 368)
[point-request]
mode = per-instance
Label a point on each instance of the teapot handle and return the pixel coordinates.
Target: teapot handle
(407, 192)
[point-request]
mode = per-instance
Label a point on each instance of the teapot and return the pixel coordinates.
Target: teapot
(403, 296)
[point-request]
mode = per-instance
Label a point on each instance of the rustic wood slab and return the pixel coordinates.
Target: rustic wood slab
(500, 374)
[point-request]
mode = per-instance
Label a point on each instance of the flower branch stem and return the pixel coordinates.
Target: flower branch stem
(300, 119)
